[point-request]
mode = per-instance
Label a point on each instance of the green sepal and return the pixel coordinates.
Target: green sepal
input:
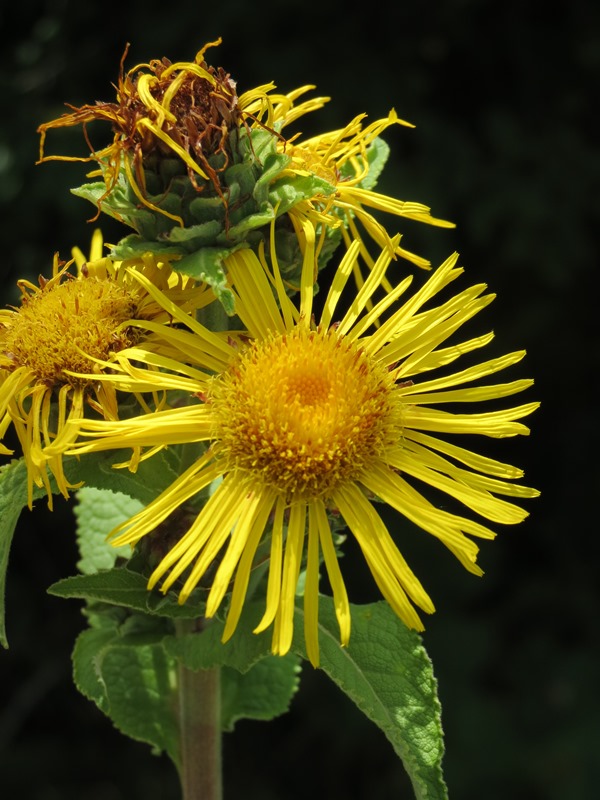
(288, 191)
(210, 217)
(387, 673)
(193, 237)
(253, 222)
(256, 191)
(207, 265)
(273, 165)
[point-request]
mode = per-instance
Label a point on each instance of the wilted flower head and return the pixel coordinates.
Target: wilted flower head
(162, 110)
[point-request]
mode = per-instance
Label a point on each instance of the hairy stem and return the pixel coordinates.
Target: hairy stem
(200, 731)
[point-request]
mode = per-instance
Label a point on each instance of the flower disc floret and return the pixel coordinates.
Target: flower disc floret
(303, 412)
(63, 327)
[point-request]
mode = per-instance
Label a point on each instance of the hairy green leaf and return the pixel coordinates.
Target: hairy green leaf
(204, 649)
(87, 656)
(118, 586)
(96, 469)
(387, 673)
(133, 684)
(126, 589)
(97, 512)
(264, 692)
(13, 497)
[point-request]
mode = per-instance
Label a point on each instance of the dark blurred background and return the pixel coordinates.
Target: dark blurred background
(504, 97)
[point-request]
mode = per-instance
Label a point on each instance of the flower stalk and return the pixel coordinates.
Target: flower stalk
(200, 731)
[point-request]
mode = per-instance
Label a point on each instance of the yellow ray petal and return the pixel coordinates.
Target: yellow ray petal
(275, 568)
(294, 546)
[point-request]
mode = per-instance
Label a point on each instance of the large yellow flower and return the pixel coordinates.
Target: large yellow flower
(304, 418)
(71, 324)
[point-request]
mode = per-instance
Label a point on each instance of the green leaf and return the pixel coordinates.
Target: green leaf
(204, 649)
(264, 692)
(97, 512)
(86, 659)
(126, 589)
(132, 684)
(118, 586)
(160, 605)
(140, 684)
(95, 470)
(387, 673)
(254, 684)
(13, 497)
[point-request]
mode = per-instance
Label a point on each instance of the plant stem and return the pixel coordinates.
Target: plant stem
(200, 691)
(200, 730)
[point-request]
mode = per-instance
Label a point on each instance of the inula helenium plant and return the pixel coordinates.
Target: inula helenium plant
(254, 373)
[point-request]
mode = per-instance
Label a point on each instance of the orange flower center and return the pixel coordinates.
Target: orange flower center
(304, 411)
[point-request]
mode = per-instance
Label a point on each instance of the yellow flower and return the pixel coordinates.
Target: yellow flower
(71, 324)
(305, 418)
(341, 159)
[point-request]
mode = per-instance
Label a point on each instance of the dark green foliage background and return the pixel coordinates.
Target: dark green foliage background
(503, 96)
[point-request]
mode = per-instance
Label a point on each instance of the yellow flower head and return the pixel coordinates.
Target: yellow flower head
(348, 162)
(307, 419)
(67, 325)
